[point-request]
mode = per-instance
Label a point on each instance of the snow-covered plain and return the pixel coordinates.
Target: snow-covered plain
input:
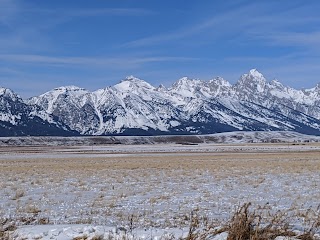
(238, 137)
(149, 191)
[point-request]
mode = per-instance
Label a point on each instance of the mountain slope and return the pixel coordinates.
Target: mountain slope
(20, 119)
(71, 105)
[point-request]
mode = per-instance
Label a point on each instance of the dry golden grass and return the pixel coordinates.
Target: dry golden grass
(115, 178)
(280, 162)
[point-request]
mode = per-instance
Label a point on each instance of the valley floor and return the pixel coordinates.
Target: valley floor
(146, 191)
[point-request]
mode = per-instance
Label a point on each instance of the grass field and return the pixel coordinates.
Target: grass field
(142, 188)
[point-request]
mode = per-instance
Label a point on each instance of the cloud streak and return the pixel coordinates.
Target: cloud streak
(124, 62)
(255, 21)
(216, 21)
(309, 40)
(91, 12)
(217, 26)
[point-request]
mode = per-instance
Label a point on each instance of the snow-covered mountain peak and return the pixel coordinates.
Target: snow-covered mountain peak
(219, 87)
(187, 79)
(187, 87)
(276, 84)
(5, 91)
(131, 78)
(220, 81)
(58, 97)
(253, 81)
(255, 73)
(70, 88)
(132, 83)
(161, 88)
(184, 79)
(8, 93)
(54, 94)
(186, 82)
(313, 92)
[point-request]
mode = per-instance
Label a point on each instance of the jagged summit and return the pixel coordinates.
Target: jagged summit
(186, 83)
(8, 93)
(69, 88)
(131, 83)
(186, 79)
(131, 78)
(255, 73)
(187, 87)
(161, 87)
(220, 81)
(313, 92)
(275, 82)
(253, 81)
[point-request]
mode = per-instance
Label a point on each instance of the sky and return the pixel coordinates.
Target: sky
(94, 44)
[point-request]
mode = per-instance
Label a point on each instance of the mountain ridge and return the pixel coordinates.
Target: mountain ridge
(189, 106)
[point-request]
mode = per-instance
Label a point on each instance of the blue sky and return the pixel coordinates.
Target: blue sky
(94, 44)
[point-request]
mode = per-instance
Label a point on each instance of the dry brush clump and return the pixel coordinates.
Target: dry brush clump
(6, 226)
(311, 223)
(263, 224)
(257, 224)
(260, 223)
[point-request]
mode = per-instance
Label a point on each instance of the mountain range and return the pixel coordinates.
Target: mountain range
(189, 106)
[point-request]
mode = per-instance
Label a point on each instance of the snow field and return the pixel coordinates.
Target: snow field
(151, 191)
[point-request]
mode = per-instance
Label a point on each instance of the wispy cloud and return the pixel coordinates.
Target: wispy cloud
(219, 21)
(123, 62)
(292, 27)
(28, 27)
(108, 11)
(257, 21)
(90, 12)
(310, 40)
